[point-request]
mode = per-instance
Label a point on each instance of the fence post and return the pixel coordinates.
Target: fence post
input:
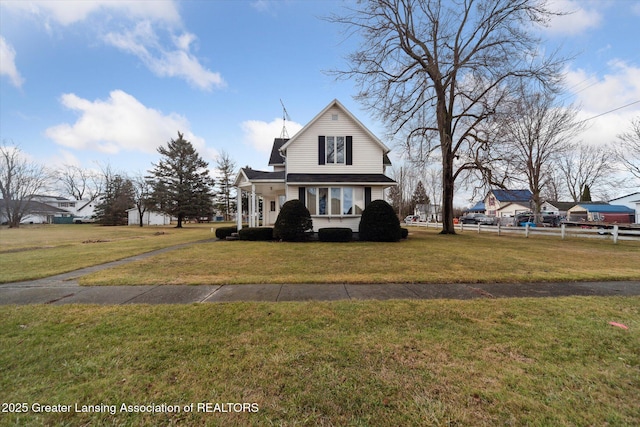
(461, 226)
(478, 228)
(615, 234)
(526, 230)
(499, 225)
(562, 230)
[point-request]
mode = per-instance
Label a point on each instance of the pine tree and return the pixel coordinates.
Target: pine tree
(226, 169)
(585, 196)
(182, 185)
(118, 196)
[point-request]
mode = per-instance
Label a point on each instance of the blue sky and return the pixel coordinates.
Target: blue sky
(105, 82)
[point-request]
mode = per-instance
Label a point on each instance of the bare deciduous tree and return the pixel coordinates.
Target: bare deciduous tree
(449, 63)
(537, 134)
(586, 165)
(628, 150)
(226, 168)
(20, 182)
(142, 195)
(81, 184)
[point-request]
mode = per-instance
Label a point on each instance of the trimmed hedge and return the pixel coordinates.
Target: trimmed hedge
(335, 234)
(256, 234)
(379, 223)
(405, 233)
(293, 223)
(224, 232)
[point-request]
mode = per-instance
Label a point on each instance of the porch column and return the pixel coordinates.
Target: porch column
(239, 208)
(252, 208)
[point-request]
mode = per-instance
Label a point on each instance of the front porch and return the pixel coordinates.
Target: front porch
(265, 195)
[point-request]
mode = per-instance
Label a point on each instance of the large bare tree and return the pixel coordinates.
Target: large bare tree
(20, 182)
(589, 166)
(537, 133)
(449, 64)
(628, 151)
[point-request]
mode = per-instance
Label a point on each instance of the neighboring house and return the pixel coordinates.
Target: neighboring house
(72, 208)
(507, 203)
(632, 201)
(36, 212)
(148, 218)
(334, 165)
(556, 208)
(601, 212)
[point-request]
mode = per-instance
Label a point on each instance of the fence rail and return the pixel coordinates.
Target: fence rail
(615, 233)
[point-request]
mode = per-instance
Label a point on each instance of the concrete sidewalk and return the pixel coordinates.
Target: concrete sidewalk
(71, 293)
(64, 289)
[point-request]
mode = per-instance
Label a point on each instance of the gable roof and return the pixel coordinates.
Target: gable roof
(276, 158)
(512, 195)
(561, 206)
(335, 103)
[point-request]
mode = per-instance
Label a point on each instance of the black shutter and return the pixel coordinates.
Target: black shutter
(367, 196)
(349, 154)
(301, 195)
(321, 148)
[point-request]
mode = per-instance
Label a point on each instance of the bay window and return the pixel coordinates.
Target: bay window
(335, 201)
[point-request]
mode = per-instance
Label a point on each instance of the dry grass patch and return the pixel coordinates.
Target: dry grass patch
(484, 362)
(426, 257)
(32, 252)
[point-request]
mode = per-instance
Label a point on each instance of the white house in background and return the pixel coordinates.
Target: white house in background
(632, 201)
(149, 218)
(334, 164)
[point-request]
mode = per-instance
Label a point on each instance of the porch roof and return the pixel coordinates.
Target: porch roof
(345, 178)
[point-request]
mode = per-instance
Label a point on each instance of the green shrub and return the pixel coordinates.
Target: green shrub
(293, 223)
(256, 233)
(335, 234)
(405, 233)
(379, 223)
(223, 232)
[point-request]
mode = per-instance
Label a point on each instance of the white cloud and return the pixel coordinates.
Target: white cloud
(603, 96)
(177, 61)
(8, 63)
(67, 12)
(578, 20)
(121, 123)
(260, 135)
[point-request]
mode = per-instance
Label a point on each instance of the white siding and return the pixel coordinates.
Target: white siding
(302, 154)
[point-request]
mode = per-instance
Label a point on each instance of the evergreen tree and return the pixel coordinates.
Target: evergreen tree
(118, 196)
(420, 196)
(585, 196)
(182, 185)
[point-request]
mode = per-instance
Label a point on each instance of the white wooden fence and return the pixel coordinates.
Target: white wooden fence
(563, 231)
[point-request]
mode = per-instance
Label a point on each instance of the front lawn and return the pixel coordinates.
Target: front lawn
(426, 257)
(536, 362)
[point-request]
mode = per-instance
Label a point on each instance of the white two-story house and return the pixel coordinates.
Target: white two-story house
(334, 164)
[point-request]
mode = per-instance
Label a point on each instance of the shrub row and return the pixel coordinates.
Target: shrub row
(224, 232)
(256, 233)
(335, 234)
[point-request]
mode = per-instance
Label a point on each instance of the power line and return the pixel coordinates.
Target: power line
(611, 111)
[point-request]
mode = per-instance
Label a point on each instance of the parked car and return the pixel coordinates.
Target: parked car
(529, 218)
(411, 218)
(478, 219)
(84, 219)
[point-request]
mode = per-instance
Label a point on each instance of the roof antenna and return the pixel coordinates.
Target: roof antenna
(285, 116)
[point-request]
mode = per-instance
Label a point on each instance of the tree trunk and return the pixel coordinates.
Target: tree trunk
(141, 217)
(180, 217)
(447, 194)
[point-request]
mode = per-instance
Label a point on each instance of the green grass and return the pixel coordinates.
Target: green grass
(426, 257)
(32, 252)
(535, 362)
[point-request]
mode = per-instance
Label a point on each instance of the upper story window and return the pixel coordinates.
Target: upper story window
(335, 150)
